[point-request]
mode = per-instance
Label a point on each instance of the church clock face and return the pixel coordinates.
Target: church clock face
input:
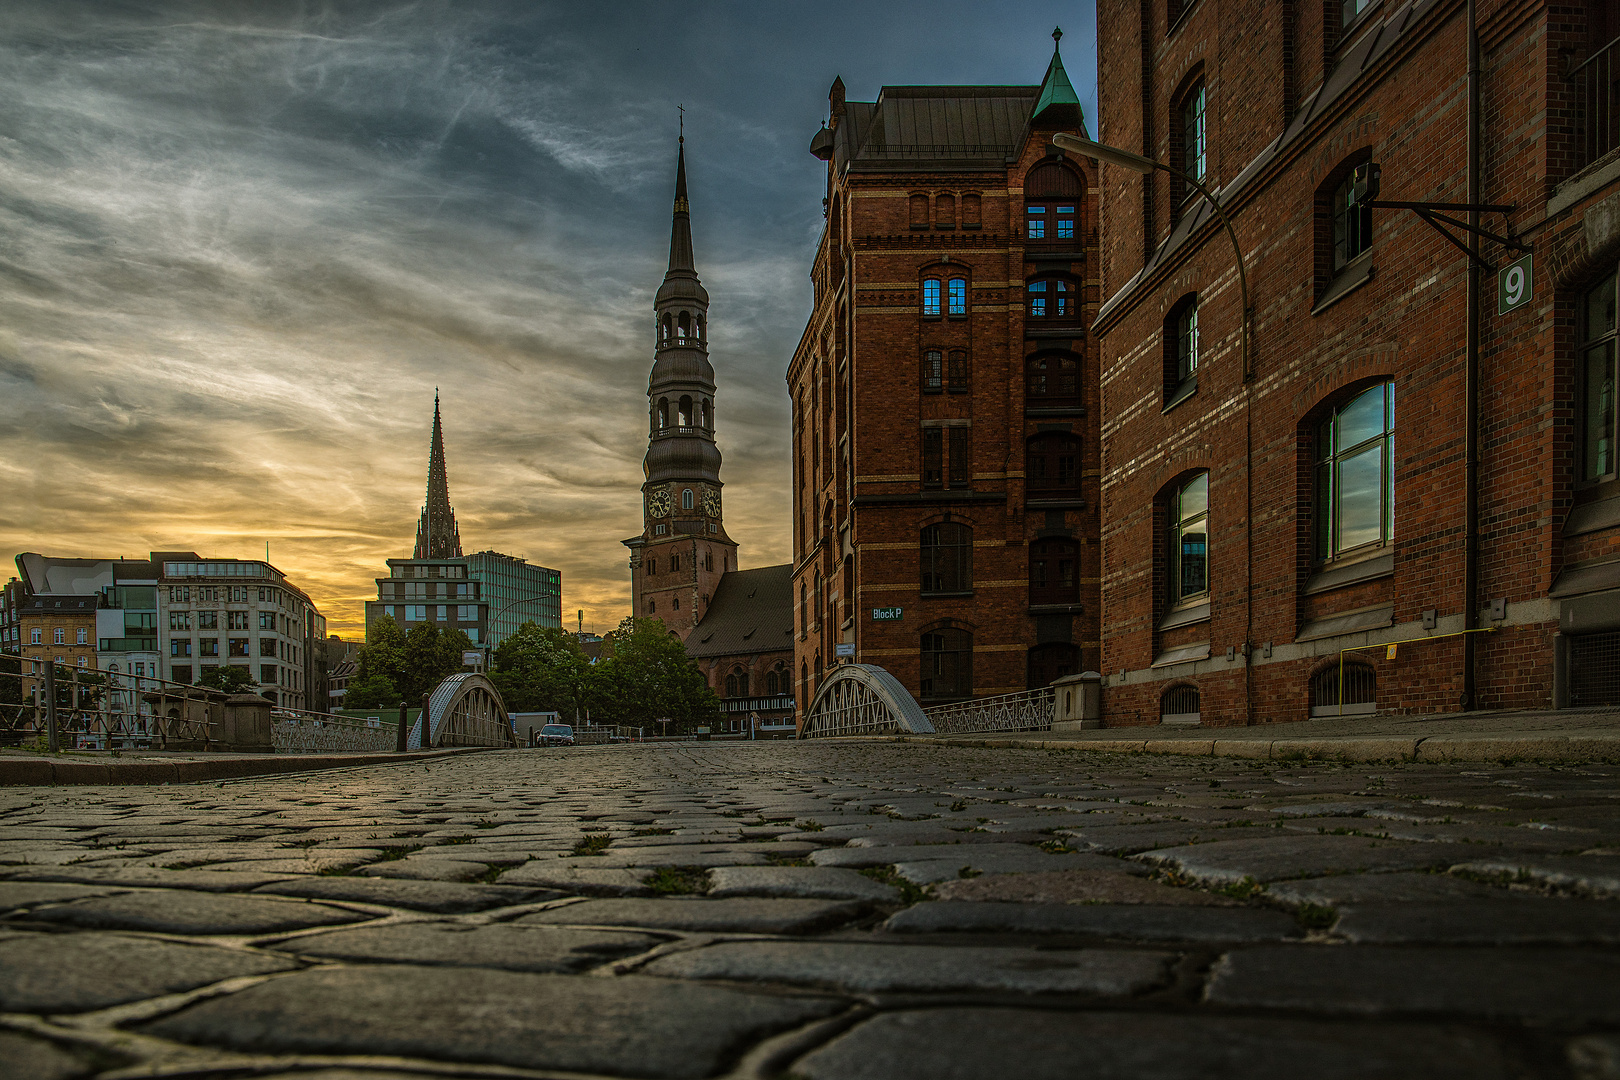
(658, 502)
(711, 502)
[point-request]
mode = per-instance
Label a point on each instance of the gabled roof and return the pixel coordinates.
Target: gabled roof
(751, 612)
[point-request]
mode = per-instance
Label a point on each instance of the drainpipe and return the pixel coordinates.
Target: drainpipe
(1471, 379)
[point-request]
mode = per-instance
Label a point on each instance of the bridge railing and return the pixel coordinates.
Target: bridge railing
(298, 731)
(1028, 710)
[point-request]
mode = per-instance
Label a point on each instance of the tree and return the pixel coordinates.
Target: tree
(372, 692)
(229, 677)
(411, 663)
(648, 677)
(540, 669)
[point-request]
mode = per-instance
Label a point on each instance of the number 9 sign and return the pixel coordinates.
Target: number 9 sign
(1514, 286)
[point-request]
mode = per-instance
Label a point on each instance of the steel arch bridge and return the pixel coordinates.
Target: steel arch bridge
(464, 710)
(863, 699)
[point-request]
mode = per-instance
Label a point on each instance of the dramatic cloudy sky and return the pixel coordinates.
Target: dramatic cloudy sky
(240, 244)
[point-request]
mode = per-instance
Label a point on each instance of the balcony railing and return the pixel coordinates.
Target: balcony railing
(1597, 95)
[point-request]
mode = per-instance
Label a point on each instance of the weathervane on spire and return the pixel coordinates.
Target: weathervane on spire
(682, 110)
(1057, 35)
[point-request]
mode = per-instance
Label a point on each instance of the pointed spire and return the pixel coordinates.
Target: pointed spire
(1056, 88)
(437, 536)
(680, 233)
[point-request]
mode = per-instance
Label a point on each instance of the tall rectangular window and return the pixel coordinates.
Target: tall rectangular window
(1596, 372)
(961, 470)
(933, 370)
(1355, 474)
(1064, 221)
(933, 457)
(930, 296)
(1189, 540)
(1194, 143)
(959, 369)
(958, 294)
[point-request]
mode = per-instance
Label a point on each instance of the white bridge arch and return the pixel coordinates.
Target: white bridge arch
(464, 710)
(863, 699)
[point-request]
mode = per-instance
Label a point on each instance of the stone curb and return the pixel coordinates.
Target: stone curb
(1434, 748)
(45, 772)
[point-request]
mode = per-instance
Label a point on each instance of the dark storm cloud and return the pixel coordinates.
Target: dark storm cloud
(240, 245)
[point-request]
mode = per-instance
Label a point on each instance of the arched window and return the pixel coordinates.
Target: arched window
(930, 296)
(1053, 463)
(683, 414)
(1358, 696)
(1355, 474)
(731, 685)
(919, 211)
(664, 337)
(1052, 194)
(1180, 705)
(663, 414)
(947, 664)
(737, 683)
(686, 498)
(700, 327)
(652, 567)
(1050, 662)
(957, 293)
(946, 558)
(652, 607)
(1050, 300)
(804, 608)
(1054, 572)
(818, 598)
(776, 680)
(1188, 542)
(1352, 224)
(1194, 148)
(1052, 380)
(683, 327)
(1181, 350)
(849, 583)
(945, 211)
(933, 371)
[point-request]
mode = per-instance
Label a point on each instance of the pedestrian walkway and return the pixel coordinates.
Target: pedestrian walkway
(823, 910)
(1552, 735)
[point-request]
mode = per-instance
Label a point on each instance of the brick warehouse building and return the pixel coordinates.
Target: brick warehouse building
(1259, 524)
(944, 395)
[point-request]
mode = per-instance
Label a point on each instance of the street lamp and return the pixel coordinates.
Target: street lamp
(1137, 163)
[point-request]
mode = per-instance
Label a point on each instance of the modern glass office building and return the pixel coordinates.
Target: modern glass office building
(516, 592)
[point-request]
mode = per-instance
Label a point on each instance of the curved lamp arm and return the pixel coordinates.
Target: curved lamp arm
(1137, 163)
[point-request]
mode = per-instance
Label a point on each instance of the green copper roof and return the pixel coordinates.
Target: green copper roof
(1056, 88)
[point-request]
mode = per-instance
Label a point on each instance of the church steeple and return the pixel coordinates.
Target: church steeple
(437, 536)
(683, 549)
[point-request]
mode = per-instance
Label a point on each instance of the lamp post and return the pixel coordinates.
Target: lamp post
(1137, 163)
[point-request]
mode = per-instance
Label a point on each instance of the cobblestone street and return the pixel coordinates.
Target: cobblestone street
(819, 911)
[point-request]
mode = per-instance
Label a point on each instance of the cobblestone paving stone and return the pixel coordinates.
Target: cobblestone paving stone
(819, 911)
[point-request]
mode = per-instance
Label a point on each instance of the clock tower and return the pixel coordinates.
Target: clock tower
(683, 550)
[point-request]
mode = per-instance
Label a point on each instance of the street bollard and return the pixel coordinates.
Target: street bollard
(404, 735)
(51, 743)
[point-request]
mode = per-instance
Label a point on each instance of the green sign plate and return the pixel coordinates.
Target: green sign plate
(885, 614)
(1514, 286)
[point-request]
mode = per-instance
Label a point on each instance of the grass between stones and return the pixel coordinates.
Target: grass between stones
(787, 860)
(910, 892)
(679, 881)
(655, 832)
(590, 844)
(810, 825)
(393, 854)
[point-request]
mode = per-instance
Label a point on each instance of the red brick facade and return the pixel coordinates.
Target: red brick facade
(1293, 102)
(919, 415)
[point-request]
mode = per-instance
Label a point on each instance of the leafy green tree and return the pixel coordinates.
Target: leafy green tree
(411, 663)
(648, 677)
(228, 677)
(372, 692)
(540, 669)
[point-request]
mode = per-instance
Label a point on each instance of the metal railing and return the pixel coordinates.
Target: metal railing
(296, 731)
(58, 706)
(1597, 95)
(1028, 710)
